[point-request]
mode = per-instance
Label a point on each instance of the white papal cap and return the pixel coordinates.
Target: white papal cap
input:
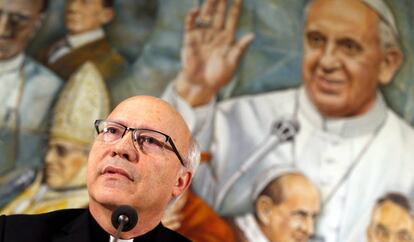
(270, 175)
(385, 14)
(240, 197)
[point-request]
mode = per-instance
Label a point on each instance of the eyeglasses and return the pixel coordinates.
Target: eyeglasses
(147, 140)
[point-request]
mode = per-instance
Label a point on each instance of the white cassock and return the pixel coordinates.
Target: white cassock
(353, 160)
(26, 95)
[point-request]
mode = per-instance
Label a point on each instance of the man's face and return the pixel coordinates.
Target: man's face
(85, 15)
(19, 20)
(64, 159)
(390, 222)
(342, 57)
(146, 181)
(293, 220)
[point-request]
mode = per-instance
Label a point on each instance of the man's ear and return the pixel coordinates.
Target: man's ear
(390, 64)
(107, 15)
(264, 206)
(182, 183)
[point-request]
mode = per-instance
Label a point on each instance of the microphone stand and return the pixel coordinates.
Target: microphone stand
(122, 219)
(282, 131)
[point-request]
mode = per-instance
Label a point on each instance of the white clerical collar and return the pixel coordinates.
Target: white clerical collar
(12, 64)
(247, 223)
(85, 38)
(112, 239)
(345, 127)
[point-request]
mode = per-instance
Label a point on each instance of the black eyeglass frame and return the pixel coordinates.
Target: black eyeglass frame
(168, 138)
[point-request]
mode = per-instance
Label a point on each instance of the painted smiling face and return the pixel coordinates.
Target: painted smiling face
(343, 62)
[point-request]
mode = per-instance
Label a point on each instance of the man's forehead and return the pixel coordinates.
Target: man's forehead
(343, 19)
(150, 112)
(299, 188)
(385, 13)
(100, 2)
(21, 6)
(391, 213)
(144, 107)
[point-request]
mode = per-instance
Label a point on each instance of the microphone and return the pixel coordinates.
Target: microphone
(123, 218)
(282, 130)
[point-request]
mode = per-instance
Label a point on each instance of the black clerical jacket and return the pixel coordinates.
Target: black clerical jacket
(69, 225)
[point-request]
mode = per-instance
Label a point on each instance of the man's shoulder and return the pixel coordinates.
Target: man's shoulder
(34, 70)
(98, 48)
(276, 95)
(400, 126)
(37, 227)
(167, 235)
(279, 101)
(50, 218)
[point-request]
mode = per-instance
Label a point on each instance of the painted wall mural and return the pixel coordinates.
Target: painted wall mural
(304, 110)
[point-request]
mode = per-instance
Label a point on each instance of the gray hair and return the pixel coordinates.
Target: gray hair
(387, 37)
(192, 159)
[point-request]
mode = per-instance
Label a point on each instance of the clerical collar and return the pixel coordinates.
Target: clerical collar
(345, 127)
(112, 239)
(247, 223)
(98, 234)
(85, 38)
(12, 64)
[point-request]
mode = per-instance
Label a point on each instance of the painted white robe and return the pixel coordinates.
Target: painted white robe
(23, 148)
(378, 143)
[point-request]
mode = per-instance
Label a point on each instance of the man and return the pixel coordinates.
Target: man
(286, 205)
(346, 132)
(143, 156)
(26, 94)
(86, 41)
(62, 183)
(391, 220)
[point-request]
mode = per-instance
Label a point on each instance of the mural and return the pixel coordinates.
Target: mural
(305, 119)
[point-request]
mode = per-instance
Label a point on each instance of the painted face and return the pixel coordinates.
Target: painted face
(147, 181)
(85, 15)
(293, 220)
(342, 57)
(19, 20)
(64, 160)
(390, 222)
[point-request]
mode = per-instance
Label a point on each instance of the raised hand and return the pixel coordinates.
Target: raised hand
(210, 54)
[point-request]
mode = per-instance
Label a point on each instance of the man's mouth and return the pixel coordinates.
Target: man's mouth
(301, 237)
(329, 85)
(114, 171)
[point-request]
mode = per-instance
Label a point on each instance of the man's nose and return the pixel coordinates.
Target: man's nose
(308, 226)
(51, 155)
(329, 60)
(125, 148)
(5, 25)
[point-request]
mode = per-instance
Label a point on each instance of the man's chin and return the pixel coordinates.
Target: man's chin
(5, 53)
(330, 106)
(74, 28)
(111, 201)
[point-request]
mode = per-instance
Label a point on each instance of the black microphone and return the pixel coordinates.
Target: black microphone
(282, 131)
(124, 218)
